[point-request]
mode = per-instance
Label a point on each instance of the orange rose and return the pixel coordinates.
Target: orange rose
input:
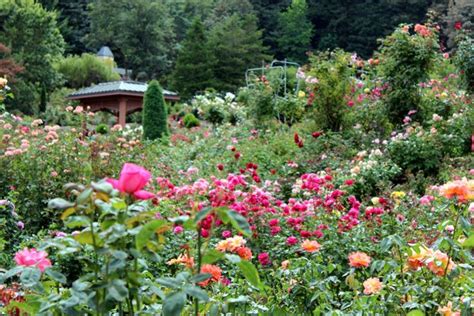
(359, 259)
(214, 271)
(438, 262)
(310, 245)
(244, 253)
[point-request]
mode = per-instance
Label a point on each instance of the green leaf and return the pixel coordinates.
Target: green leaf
(416, 312)
(12, 272)
(59, 204)
(84, 196)
(202, 214)
(240, 223)
(86, 238)
(211, 256)
(102, 186)
(174, 304)
(196, 292)
(469, 243)
(233, 258)
(145, 234)
(55, 275)
(68, 212)
(30, 277)
(168, 282)
(78, 221)
(200, 277)
(250, 273)
(117, 290)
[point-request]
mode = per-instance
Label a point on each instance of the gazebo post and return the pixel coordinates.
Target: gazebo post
(122, 119)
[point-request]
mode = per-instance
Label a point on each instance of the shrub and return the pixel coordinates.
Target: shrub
(465, 62)
(155, 117)
(84, 70)
(333, 72)
(190, 121)
(406, 59)
(102, 129)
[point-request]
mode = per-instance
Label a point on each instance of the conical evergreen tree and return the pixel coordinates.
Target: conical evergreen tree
(155, 116)
(296, 31)
(193, 70)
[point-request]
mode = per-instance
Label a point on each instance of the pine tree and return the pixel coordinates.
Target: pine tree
(155, 116)
(193, 70)
(296, 31)
(236, 42)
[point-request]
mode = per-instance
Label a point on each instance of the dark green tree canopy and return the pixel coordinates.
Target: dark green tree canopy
(193, 71)
(295, 31)
(36, 43)
(139, 31)
(236, 42)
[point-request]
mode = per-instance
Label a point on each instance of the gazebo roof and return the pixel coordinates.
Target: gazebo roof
(115, 88)
(105, 51)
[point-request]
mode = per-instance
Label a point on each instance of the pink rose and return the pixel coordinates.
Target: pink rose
(32, 258)
(133, 179)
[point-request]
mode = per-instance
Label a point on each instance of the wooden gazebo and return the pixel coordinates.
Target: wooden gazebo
(118, 97)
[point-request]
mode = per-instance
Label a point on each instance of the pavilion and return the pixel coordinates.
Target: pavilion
(118, 97)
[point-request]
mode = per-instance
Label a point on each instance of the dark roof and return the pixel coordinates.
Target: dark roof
(115, 87)
(105, 51)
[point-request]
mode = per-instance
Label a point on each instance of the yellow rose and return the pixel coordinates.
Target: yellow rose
(301, 94)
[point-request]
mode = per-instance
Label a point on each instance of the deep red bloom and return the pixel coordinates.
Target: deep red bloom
(220, 167)
(316, 134)
(458, 25)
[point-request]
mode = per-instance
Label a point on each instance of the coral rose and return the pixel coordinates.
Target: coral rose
(359, 259)
(310, 245)
(214, 271)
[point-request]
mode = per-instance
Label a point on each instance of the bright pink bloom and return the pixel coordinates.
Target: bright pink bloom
(226, 234)
(32, 258)
(264, 259)
(292, 240)
(133, 179)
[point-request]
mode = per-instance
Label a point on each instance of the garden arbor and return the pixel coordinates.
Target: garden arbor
(118, 97)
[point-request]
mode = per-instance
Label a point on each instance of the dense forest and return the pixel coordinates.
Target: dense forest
(207, 42)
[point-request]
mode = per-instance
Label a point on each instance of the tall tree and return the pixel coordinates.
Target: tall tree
(295, 31)
(139, 32)
(36, 43)
(193, 70)
(236, 43)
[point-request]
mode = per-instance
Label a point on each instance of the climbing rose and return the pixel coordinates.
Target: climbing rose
(32, 258)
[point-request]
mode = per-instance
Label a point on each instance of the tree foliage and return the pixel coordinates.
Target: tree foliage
(139, 31)
(82, 71)
(155, 117)
(36, 43)
(295, 31)
(193, 71)
(236, 42)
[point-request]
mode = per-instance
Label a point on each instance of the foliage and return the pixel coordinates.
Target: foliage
(236, 44)
(465, 62)
(333, 72)
(190, 121)
(155, 117)
(193, 71)
(139, 31)
(295, 31)
(36, 43)
(218, 109)
(85, 70)
(406, 59)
